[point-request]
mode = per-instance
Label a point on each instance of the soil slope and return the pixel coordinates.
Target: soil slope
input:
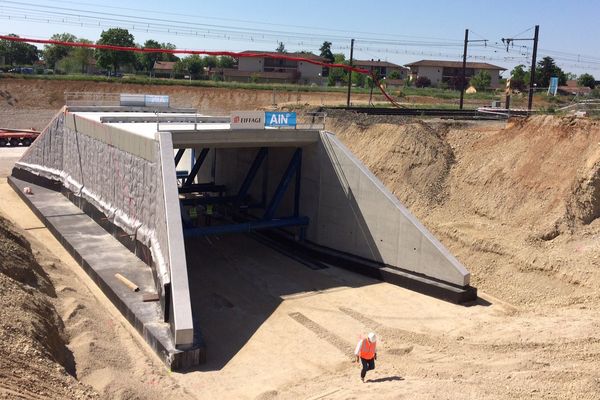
(519, 204)
(35, 362)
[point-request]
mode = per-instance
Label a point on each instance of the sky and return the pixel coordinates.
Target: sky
(395, 31)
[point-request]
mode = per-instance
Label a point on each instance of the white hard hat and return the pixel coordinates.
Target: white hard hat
(372, 337)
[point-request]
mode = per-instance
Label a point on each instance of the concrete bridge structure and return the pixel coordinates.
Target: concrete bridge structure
(128, 190)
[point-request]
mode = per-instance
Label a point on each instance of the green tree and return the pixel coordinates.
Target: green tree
(210, 61)
(359, 79)
(570, 76)
(180, 66)
(337, 75)
(328, 55)
(586, 80)
(395, 74)
(53, 53)
(226, 62)
(147, 60)
(519, 78)
(194, 65)
(481, 81)
(280, 48)
(112, 58)
(18, 52)
(546, 69)
(83, 55)
(78, 60)
(326, 51)
(168, 56)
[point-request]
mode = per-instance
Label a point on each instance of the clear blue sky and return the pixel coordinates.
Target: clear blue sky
(400, 32)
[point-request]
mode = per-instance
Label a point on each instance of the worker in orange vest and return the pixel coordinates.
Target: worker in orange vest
(367, 353)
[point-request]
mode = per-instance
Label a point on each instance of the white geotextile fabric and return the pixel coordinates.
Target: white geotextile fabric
(126, 188)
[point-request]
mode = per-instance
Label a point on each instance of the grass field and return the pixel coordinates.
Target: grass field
(142, 80)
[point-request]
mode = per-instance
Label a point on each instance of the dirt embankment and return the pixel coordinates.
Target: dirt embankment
(35, 362)
(28, 103)
(519, 204)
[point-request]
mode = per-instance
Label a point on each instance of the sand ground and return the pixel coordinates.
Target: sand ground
(513, 216)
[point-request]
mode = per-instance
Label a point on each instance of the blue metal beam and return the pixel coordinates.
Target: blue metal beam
(245, 227)
(196, 167)
(293, 168)
(203, 187)
(207, 200)
(258, 160)
(178, 156)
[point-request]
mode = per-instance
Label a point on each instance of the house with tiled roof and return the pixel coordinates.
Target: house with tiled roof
(442, 72)
(258, 66)
(385, 69)
(163, 69)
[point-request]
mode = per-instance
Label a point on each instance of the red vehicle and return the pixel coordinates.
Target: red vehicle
(16, 137)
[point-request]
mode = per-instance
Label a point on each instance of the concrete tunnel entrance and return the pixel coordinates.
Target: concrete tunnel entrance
(225, 223)
(230, 198)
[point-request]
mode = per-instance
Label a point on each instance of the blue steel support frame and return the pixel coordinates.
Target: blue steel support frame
(245, 227)
(209, 187)
(258, 160)
(268, 221)
(294, 167)
(178, 156)
(196, 167)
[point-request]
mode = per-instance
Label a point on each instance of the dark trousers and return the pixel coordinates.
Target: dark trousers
(367, 365)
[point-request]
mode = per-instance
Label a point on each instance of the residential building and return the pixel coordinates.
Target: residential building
(385, 69)
(449, 73)
(163, 69)
(266, 69)
(571, 88)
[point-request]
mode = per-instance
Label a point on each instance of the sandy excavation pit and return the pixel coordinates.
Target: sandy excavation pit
(517, 204)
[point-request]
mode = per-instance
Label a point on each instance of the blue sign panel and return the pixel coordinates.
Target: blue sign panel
(553, 86)
(280, 119)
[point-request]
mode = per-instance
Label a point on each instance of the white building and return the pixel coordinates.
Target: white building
(263, 68)
(450, 72)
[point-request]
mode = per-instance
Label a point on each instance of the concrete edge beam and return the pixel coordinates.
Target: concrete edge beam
(181, 310)
(129, 109)
(137, 145)
(222, 138)
(165, 119)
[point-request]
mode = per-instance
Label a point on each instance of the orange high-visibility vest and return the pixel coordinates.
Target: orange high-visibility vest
(367, 350)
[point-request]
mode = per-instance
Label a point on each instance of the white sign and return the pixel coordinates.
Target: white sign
(156, 100)
(247, 120)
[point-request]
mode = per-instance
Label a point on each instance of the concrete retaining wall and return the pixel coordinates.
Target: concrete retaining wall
(350, 210)
(121, 175)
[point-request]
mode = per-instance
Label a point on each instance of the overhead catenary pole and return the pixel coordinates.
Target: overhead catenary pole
(533, 61)
(350, 72)
(464, 70)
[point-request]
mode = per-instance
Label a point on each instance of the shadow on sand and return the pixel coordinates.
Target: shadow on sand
(386, 379)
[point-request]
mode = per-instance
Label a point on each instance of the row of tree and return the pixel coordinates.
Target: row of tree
(77, 59)
(546, 68)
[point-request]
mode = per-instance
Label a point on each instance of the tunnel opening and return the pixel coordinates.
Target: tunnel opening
(211, 206)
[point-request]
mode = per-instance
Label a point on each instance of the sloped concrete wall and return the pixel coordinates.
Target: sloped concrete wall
(350, 210)
(358, 215)
(121, 175)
